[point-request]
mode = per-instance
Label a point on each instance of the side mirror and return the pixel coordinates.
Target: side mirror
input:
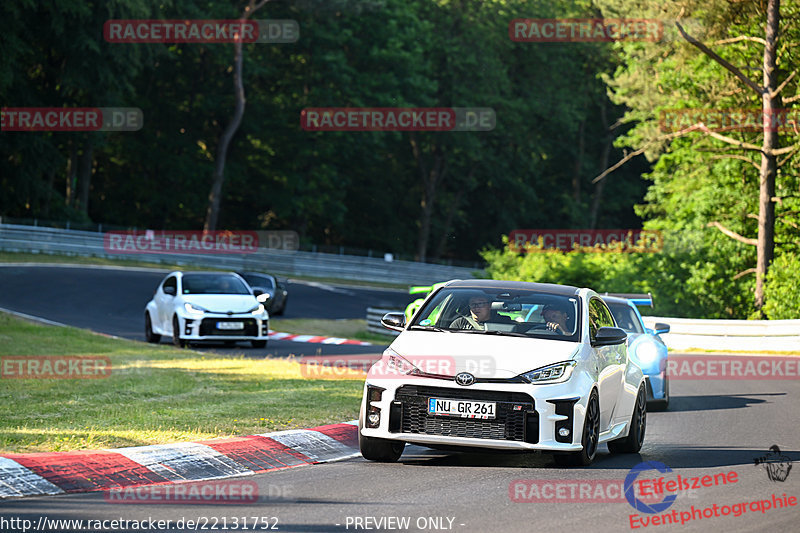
(661, 328)
(170, 290)
(609, 336)
(394, 321)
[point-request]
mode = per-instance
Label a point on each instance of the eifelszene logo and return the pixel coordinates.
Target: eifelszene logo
(776, 464)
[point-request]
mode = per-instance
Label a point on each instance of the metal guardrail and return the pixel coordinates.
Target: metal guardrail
(32, 239)
(374, 316)
(739, 335)
(688, 333)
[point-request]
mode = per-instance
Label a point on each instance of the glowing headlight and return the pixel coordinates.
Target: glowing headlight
(262, 297)
(556, 373)
(647, 352)
(193, 309)
(258, 310)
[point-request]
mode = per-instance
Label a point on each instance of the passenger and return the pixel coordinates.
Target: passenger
(556, 316)
(480, 312)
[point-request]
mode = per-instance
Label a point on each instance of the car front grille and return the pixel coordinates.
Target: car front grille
(516, 420)
(209, 327)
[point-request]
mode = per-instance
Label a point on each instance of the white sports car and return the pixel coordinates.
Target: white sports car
(205, 306)
(509, 366)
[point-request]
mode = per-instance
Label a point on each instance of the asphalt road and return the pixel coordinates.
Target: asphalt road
(112, 301)
(712, 427)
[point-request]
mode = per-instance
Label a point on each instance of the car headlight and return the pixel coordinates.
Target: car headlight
(647, 352)
(556, 373)
(263, 297)
(257, 310)
(193, 309)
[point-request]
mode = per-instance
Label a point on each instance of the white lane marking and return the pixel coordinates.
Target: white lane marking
(318, 446)
(185, 461)
(34, 318)
(324, 287)
(16, 480)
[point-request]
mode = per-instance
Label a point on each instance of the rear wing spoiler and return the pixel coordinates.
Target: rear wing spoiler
(637, 299)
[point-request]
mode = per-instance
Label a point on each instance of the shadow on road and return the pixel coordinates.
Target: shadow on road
(719, 401)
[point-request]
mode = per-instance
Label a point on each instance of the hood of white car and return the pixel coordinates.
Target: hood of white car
(484, 356)
(223, 303)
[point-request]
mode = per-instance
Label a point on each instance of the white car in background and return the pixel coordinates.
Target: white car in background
(205, 306)
(508, 366)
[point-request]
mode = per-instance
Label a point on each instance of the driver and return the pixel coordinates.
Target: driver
(480, 312)
(555, 315)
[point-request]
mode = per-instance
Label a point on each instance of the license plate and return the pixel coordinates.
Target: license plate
(461, 408)
(230, 325)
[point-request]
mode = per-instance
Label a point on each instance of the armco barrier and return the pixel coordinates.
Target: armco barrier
(739, 335)
(687, 333)
(32, 239)
(374, 316)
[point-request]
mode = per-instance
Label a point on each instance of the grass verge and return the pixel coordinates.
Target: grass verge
(155, 394)
(354, 328)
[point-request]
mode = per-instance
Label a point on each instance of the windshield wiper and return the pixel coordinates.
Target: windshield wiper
(492, 332)
(427, 328)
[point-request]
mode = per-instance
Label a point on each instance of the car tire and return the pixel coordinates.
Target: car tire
(176, 333)
(590, 437)
(633, 442)
(151, 337)
(662, 405)
(380, 450)
(283, 307)
(258, 344)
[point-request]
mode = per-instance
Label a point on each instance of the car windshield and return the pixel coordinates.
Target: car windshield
(259, 281)
(501, 311)
(213, 284)
(626, 318)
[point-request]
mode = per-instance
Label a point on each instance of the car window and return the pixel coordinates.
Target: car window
(607, 319)
(626, 318)
(599, 316)
(213, 284)
(259, 281)
(171, 281)
(504, 311)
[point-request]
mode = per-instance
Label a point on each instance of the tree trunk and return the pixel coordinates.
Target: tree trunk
(72, 174)
(430, 182)
(597, 197)
(766, 207)
(214, 197)
(577, 173)
(85, 176)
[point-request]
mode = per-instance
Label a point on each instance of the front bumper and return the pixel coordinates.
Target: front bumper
(528, 417)
(205, 327)
(655, 386)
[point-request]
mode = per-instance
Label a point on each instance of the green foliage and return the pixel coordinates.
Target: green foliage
(686, 279)
(782, 289)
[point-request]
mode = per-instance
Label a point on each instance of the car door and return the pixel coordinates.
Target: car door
(609, 379)
(165, 303)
